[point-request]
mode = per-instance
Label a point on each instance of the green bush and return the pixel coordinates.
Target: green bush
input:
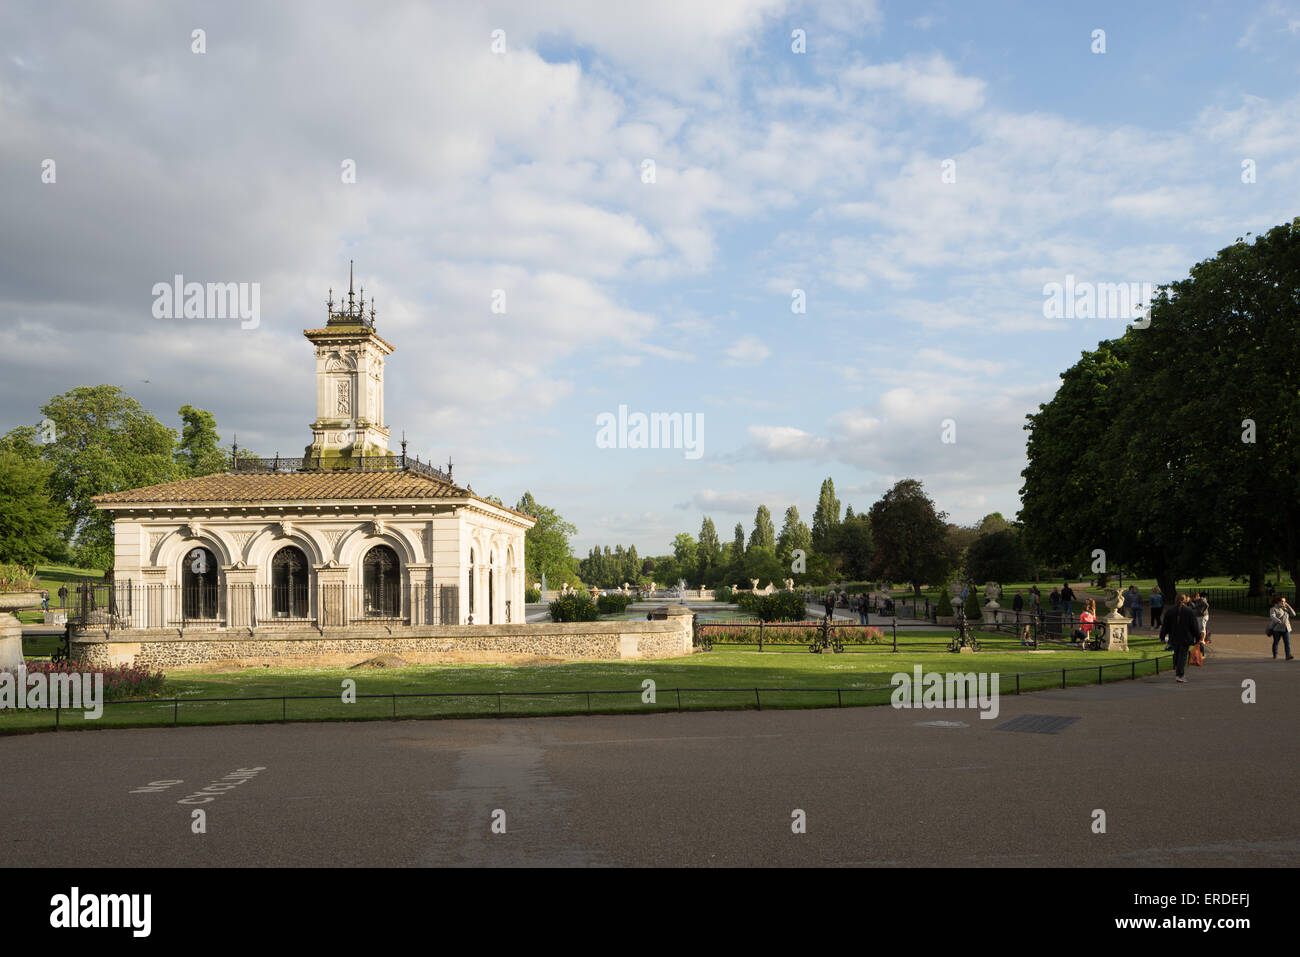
(532, 595)
(945, 604)
(779, 606)
(974, 611)
(613, 604)
(15, 577)
(573, 607)
(724, 594)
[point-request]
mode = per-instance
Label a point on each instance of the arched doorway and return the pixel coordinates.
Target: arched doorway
(289, 583)
(200, 593)
(381, 579)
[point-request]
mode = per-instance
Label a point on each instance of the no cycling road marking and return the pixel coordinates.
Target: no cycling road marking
(207, 794)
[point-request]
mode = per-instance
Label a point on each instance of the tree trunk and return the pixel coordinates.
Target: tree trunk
(1168, 587)
(1256, 579)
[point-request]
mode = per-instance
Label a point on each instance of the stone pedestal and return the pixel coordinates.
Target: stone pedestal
(11, 630)
(1116, 631)
(991, 613)
(11, 642)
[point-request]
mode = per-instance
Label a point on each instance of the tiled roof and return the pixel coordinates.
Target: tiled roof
(313, 486)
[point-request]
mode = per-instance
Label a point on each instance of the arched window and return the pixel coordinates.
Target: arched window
(492, 572)
(471, 583)
(199, 590)
(289, 583)
(382, 578)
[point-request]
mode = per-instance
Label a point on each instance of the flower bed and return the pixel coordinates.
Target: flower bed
(121, 681)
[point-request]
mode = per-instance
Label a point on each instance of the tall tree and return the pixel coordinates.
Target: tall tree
(686, 552)
(546, 544)
(198, 452)
(104, 441)
(854, 547)
(794, 535)
(825, 518)
(909, 536)
(709, 550)
(764, 534)
(31, 524)
(738, 542)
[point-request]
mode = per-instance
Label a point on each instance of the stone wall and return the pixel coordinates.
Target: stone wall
(169, 649)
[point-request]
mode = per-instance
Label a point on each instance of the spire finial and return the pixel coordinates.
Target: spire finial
(350, 296)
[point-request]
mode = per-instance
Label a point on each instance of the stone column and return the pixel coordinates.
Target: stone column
(334, 600)
(420, 594)
(242, 610)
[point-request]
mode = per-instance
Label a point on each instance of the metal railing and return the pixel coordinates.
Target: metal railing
(126, 605)
(390, 462)
(583, 701)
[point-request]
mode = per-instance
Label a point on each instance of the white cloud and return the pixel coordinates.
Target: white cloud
(748, 350)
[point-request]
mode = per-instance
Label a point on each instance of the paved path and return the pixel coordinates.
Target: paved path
(1187, 775)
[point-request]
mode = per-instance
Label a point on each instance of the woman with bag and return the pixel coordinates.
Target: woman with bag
(1279, 624)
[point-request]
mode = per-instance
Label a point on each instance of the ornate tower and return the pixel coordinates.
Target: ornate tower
(349, 426)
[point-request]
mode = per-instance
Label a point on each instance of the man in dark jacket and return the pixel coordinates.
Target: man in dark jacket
(1182, 630)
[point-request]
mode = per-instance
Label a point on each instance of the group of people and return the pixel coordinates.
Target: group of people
(861, 604)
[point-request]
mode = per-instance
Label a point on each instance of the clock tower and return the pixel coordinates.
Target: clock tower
(349, 428)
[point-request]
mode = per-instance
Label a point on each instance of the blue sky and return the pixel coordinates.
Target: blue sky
(522, 171)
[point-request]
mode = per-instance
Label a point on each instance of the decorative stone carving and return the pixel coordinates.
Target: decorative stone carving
(285, 529)
(192, 530)
(377, 527)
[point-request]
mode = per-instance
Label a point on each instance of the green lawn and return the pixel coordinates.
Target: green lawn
(783, 680)
(50, 577)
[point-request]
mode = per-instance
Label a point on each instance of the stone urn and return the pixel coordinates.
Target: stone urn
(992, 592)
(11, 632)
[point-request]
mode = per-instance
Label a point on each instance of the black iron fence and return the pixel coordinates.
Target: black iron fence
(119, 605)
(470, 704)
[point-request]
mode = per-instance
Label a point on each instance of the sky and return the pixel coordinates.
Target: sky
(563, 208)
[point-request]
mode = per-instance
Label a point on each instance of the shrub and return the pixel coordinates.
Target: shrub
(945, 604)
(573, 607)
(613, 604)
(974, 611)
(17, 578)
(748, 634)
(724, 594)
(532, 595)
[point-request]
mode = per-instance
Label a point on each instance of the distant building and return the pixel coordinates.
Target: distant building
(351, 533)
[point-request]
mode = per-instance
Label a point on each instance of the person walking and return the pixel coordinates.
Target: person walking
(1135, 605)
(864, 609)
(1279, 624)
(45, 600)
(1157, 603)
(63, 596)
(1067, 601)
(1179, 630)
(1017, 605)
(1201, 605)
(830, 604)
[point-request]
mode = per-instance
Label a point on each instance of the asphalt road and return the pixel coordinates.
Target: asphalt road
(1187, 775)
